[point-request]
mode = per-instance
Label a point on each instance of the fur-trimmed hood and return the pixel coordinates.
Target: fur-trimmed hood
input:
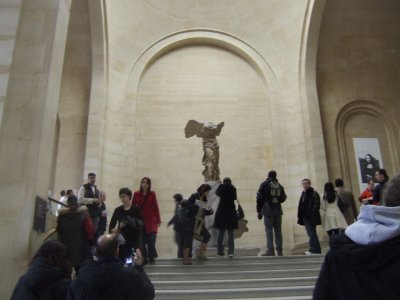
(66, 210)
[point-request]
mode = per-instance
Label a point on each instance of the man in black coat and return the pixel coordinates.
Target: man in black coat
(107, 278)
(308, 215)
(270, 195)
(364, 262)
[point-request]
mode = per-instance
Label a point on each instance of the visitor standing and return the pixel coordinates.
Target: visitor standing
(333, 220)
(225, 216)
(89, 195)
(308, 215)
(145, 199)
(270, 195)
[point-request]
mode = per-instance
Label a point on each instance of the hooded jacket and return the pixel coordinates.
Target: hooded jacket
(364, 262)
(41, 281)
(108, 279)
(264, 199)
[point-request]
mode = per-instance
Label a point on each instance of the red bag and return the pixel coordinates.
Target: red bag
(89, 228)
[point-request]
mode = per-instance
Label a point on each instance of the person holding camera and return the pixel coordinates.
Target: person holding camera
(126, 221)
(107, 278)
(270, 195)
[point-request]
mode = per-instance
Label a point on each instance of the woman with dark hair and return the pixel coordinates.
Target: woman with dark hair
(48, 276)
(200, 231)
(71, 230)
(333, 220)
(145, 199)
(225, 217)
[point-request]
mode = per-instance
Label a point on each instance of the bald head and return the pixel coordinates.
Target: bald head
(107, 245)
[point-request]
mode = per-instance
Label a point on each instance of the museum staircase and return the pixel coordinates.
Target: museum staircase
(286, 277)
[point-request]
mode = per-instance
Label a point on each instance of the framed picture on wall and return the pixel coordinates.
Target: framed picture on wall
(368, 159)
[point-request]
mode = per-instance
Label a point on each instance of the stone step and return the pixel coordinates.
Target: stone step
(236, 293)
(195, 275)
(253, 266)
(243, 259)
(271, 278)
(234, 283)
(273, 298)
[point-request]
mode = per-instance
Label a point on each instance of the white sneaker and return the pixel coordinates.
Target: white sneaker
(310, 253)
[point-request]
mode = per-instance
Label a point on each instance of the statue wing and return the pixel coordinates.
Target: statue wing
(219, 127)
(193, 128)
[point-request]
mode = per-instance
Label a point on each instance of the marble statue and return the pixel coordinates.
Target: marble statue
(209, 132)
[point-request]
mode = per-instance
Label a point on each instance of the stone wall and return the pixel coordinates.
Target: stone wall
(358, 75)
(28, 130)
(9, 16)
(74, 101)
(239, 62)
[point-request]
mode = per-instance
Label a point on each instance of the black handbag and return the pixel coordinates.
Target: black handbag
(342, 204)
(239, 212)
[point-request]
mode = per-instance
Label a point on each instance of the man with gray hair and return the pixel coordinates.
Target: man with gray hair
(364, 262)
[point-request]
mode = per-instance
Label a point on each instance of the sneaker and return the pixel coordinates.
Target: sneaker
(280, 253)
(268, 253)
(311, 253)
(230, 255)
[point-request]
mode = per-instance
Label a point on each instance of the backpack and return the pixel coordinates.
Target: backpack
(343, 205)
(277, 193)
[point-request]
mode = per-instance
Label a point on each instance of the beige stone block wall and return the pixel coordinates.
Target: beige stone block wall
(27, 132)
(9, 16)
(275, 31)
(74, 101)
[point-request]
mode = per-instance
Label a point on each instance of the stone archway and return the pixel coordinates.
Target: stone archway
(363, 118)
(247, 99)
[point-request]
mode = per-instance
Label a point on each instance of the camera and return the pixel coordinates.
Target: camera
(130, 261)
(133, 222)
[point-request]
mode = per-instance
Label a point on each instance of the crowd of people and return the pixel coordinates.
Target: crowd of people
(105, 263)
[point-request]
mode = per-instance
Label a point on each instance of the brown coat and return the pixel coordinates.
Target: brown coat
(351, 212)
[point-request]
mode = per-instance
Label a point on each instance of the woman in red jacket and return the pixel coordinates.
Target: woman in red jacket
(145, 199)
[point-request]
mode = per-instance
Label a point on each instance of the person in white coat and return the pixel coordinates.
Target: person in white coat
(333, 220)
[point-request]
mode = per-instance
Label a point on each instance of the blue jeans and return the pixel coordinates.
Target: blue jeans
(220, 242)
(273, 224)
(311, 229)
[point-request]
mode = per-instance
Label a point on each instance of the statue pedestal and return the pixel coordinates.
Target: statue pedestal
(213, 201)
